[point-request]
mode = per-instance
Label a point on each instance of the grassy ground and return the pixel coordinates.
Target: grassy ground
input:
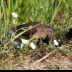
(54, 13)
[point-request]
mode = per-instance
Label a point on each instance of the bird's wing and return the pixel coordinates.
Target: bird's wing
(28, 24)
(33, 28)
(40, 28)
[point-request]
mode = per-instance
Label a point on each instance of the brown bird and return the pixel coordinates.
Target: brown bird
(38, 31)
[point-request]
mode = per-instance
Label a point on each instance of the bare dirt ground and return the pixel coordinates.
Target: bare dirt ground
(53, 61)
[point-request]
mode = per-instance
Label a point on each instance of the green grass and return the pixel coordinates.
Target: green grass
(43, 11)
(57, 67)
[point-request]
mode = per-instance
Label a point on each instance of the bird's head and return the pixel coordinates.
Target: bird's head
(49, 30)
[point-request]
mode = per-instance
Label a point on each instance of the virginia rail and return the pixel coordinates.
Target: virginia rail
(38, 31)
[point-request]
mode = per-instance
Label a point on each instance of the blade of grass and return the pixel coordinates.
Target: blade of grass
(56, 10)
(4, 15)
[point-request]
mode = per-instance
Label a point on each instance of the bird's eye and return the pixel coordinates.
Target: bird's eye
(50, 31)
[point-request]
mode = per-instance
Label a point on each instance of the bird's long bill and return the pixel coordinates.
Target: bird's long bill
(54, 36)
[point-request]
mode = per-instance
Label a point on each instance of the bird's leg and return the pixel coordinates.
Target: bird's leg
(38, 41)
(41, 41)
(46, 40)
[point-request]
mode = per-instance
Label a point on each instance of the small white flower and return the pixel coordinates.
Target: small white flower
(56, 43)
(11, 32)
(14, 15)
(41, 7)
(22, 45)
(24, 41)
(16, 44)
(32, 45)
